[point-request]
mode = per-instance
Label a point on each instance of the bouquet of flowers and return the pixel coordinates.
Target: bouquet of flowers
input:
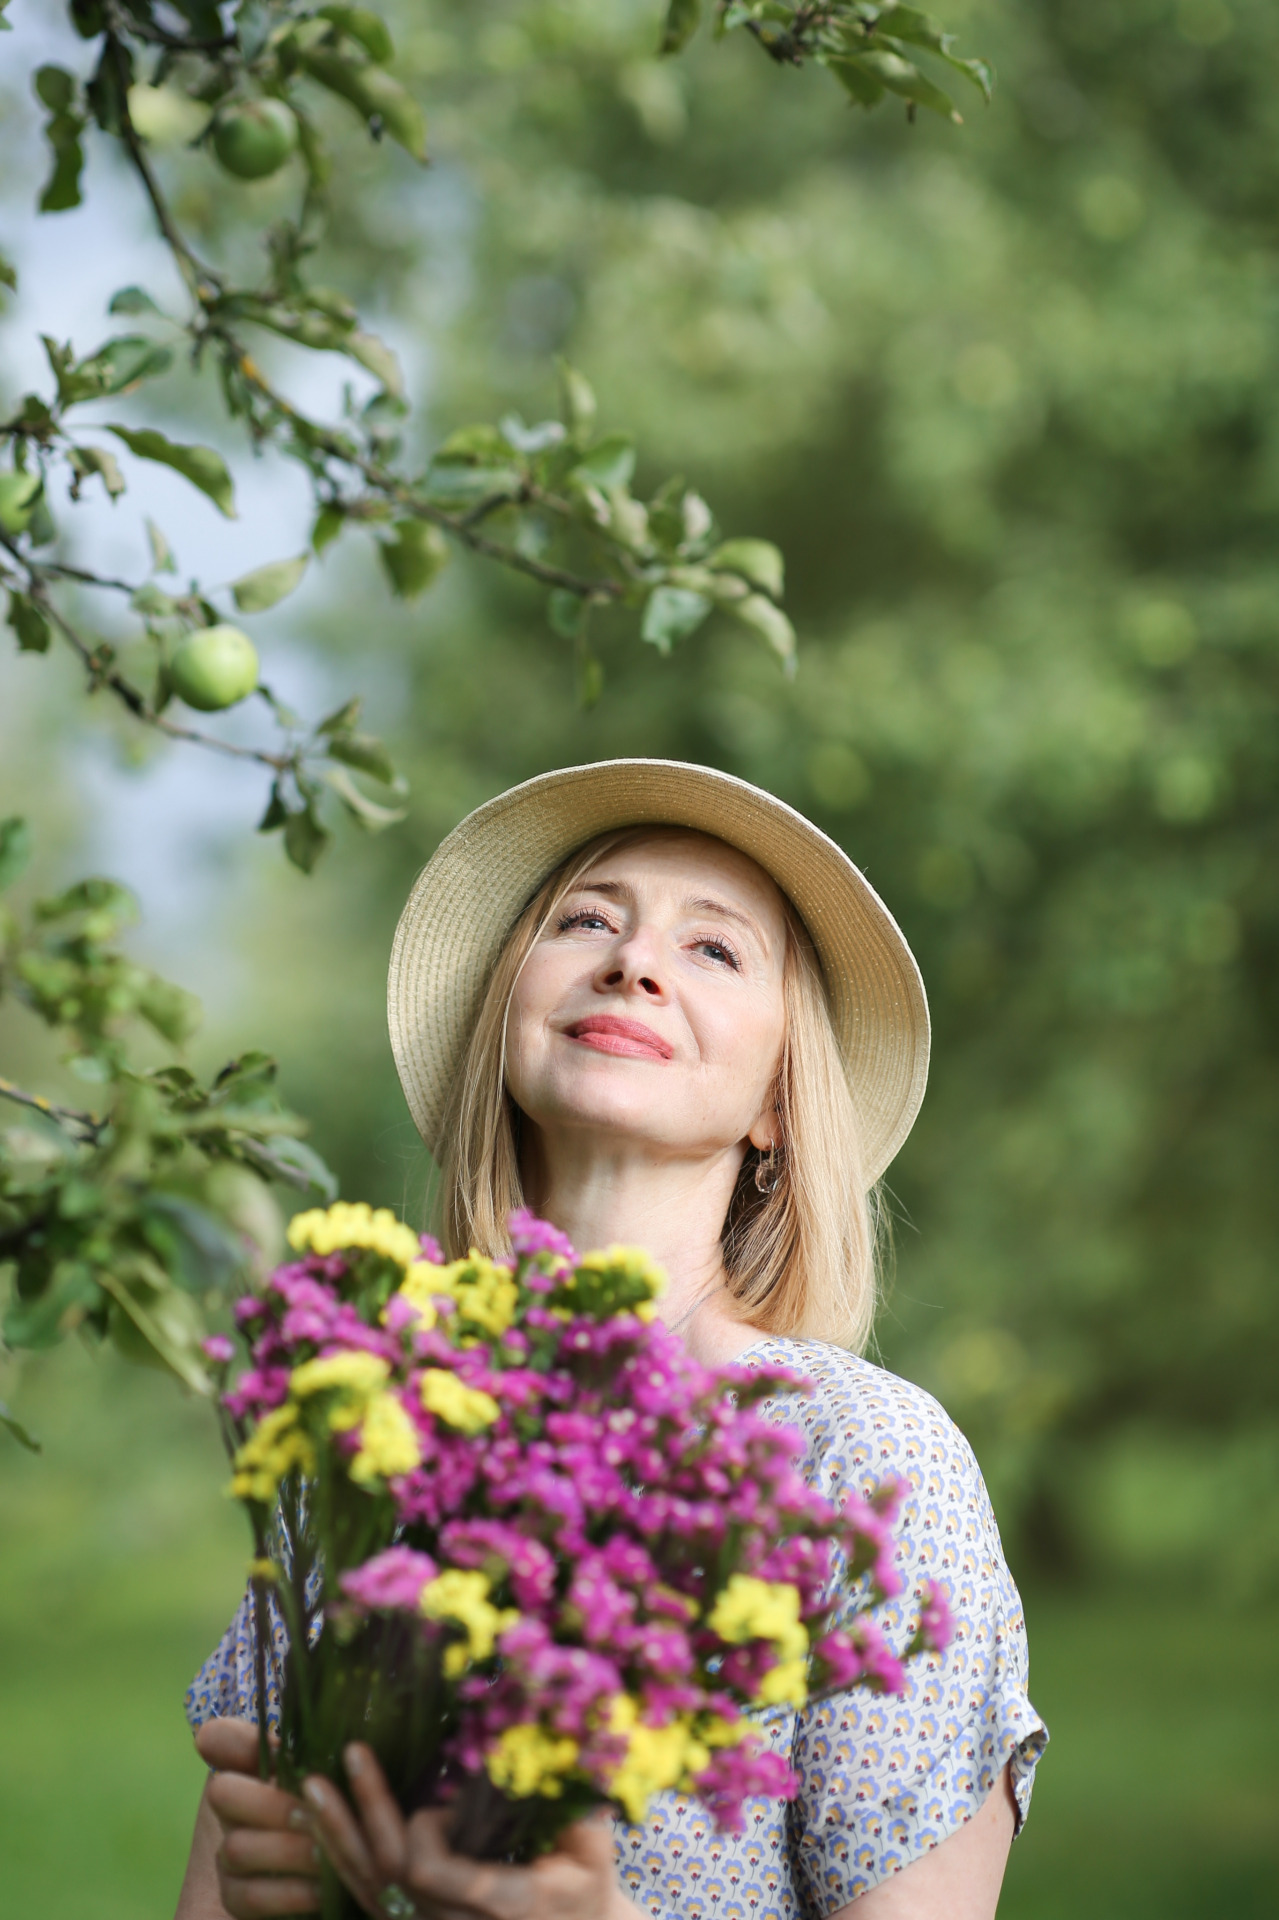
(523, 1544)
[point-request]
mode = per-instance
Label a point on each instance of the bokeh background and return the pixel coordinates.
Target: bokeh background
(1006, 396)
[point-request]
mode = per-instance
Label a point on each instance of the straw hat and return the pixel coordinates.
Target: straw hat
(468, 897)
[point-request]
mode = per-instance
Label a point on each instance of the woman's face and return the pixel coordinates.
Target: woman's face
(651, 1008)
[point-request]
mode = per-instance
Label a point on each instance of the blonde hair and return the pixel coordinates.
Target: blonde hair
(801, 1257)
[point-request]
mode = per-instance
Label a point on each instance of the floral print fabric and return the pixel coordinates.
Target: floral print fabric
(883, 1778)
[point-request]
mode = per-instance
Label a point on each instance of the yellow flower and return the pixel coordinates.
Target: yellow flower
(419, 1283)
(469, 1409)
(630, 1263)
(274, 1448)
(486, 1294)
(462, 1597)
(788, 1680)
(388, 1442)
(526, 1761)
(354, 1370)
(656, 1757)
(751, 1609)
(335, 1228)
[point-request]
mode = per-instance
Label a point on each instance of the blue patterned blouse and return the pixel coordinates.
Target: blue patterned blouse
(884, 1778)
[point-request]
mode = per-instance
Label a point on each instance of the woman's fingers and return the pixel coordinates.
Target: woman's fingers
(445, 1883)
(379, 1812)
(228, 1745)
(253, 1899)
(251, 1850)
(244, 1801)
(342, 1838)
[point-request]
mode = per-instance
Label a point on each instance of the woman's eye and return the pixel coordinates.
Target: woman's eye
(585, 917)
(719, 953)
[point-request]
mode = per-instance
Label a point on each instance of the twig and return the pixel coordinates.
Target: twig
(88, 1126)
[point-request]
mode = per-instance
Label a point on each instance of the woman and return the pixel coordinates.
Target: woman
(661, 1008)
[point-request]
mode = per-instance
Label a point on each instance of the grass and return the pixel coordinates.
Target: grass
(121, 1564)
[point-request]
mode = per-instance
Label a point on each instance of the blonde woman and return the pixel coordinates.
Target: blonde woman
(659, 1007)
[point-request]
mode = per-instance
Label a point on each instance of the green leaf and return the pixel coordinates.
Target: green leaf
(903, 77)
(858, 81)
(329, 522)
(61, 191)
(169, 1322)
(266, 586)
(343, 718)
(8, 272)
(610, 462)
(577, 403)
(28, 623)
(680, 25)
(132, 300)
(414, 558)
(921, 30)
(116, 367)
(362, 24)
(253, 24)
(172, 1011)
(15, 849)
(365, 812)
(152, 602)
(108, 91)
(292, 1161)
(200, 465)
(758, 561)
(380, 360)
(590, 680)
(9, 1421)
(671, 614)
(769, 621)
(55, 88)
(102, 461)
(304, 838)
(276, 814)
(374, 94)
(162, 560)
(366, 753)
(478, 446)
(567, 612)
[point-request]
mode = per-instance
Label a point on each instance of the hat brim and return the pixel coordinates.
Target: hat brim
(469, 895)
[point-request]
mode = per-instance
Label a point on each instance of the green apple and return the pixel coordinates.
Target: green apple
(18, 495)
(214, 668)
(254, 137)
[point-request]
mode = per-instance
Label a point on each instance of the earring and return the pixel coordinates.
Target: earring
(767, 1171)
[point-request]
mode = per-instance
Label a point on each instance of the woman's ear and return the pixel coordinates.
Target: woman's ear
(763, 1136)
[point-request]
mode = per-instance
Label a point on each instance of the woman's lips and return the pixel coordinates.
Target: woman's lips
(609, 1034)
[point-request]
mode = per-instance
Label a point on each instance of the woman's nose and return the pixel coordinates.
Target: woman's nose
(633, 965)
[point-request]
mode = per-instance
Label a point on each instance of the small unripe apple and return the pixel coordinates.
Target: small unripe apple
(18, 495)
(214, 668)
(254, 137)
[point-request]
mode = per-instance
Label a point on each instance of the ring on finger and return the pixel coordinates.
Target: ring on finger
(395, 1903)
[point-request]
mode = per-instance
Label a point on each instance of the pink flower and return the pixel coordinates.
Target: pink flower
(218, 1349)
(531, 1237)
(390, 1580)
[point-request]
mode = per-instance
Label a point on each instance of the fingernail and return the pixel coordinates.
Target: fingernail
(354, 1760)
(300, 1820)
(314, 1792)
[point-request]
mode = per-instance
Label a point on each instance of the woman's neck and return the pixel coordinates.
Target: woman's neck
(600, 1195)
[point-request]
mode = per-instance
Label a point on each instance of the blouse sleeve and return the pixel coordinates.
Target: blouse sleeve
(226, 1685)
(886, 1777)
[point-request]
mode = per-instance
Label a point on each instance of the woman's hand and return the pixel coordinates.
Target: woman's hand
(407, 1870)
(267, 1860)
